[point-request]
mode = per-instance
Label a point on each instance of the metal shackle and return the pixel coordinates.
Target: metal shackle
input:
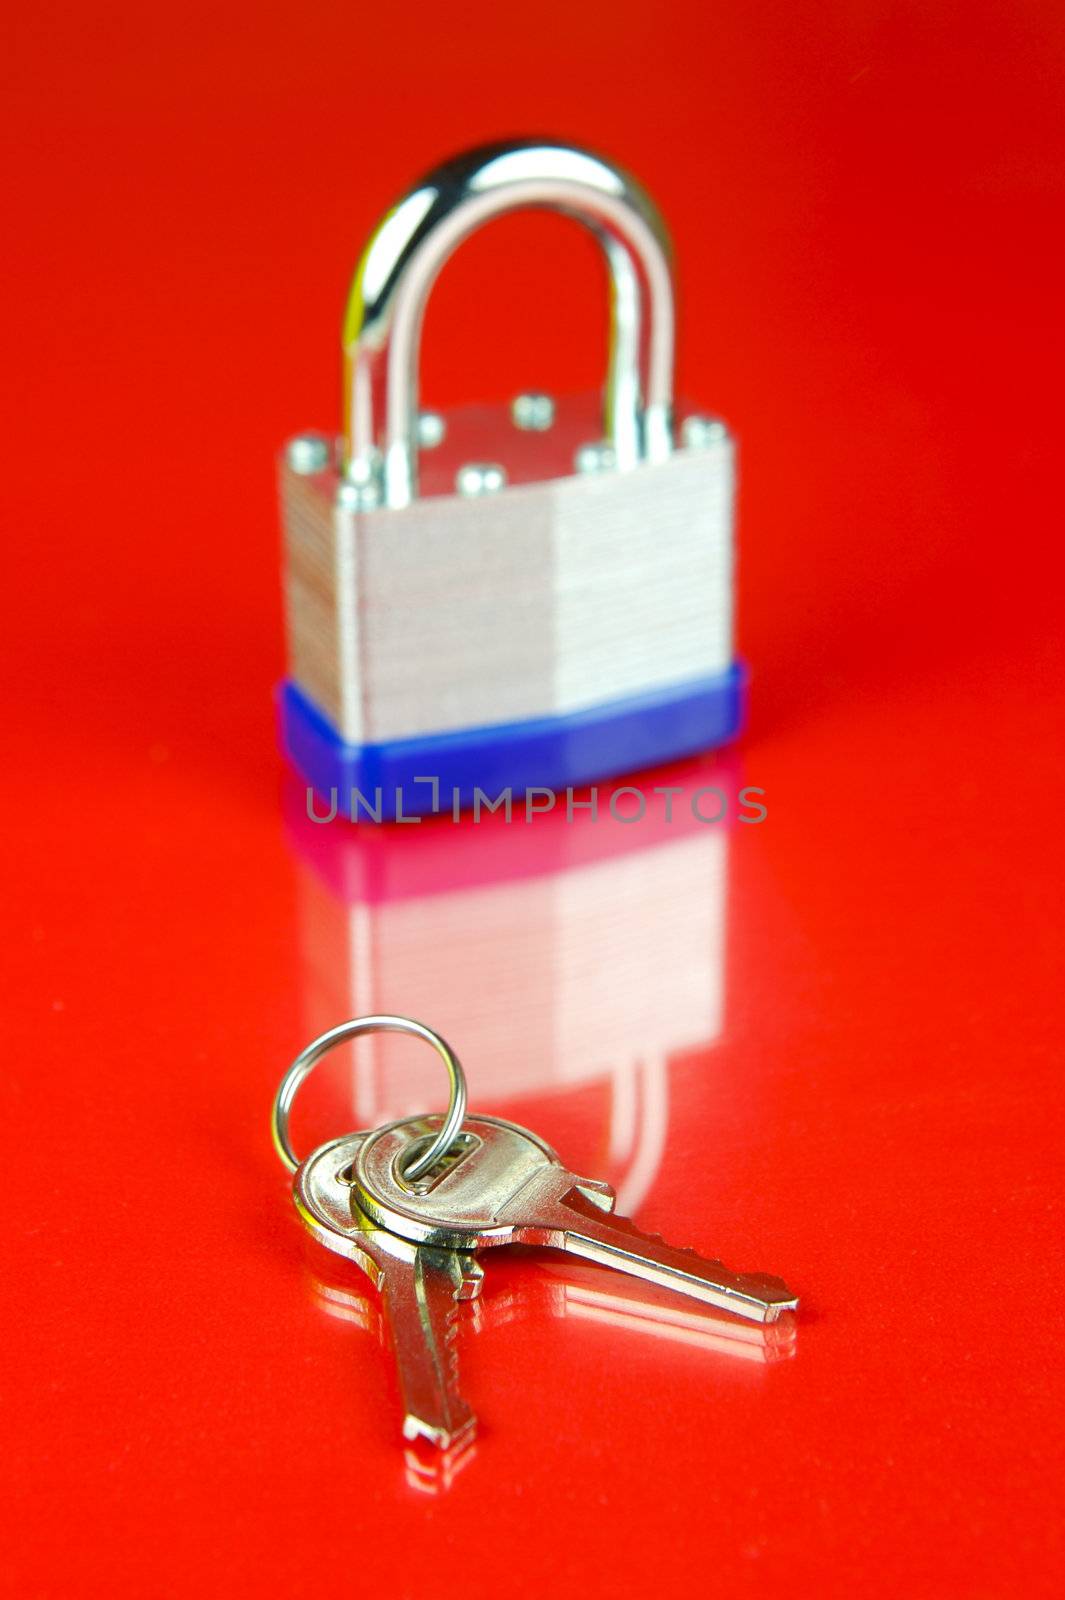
(386, 306)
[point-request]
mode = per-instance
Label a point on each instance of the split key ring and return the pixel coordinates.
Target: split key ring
(308, 1058)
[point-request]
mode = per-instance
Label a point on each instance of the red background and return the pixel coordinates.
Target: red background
(865, 201)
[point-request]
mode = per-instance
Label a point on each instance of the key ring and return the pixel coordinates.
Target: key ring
(349, 1030)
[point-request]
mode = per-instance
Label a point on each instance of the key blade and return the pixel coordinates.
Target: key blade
(555, 1210)
(421, 1297)
(419, 1285)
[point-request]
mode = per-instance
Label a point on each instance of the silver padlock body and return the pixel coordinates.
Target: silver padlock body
(563, 592)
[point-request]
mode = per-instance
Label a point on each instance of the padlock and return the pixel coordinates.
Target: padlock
(496, 601)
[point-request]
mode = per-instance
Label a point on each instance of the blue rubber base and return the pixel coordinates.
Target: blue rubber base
(553, 753)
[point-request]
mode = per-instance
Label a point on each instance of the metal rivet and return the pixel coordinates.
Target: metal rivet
(597, 457)
(699, 432)
(431, 429)
(480, 477)
(360, 487)
(533, 412)
(358, 496)
(308, 453)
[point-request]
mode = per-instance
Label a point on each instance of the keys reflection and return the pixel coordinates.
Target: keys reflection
(582, 1293)
(568, 959)
(428, 1468)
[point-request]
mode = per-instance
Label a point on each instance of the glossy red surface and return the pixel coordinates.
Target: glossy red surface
(828, 1046)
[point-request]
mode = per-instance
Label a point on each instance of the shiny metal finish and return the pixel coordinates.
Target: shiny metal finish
(309, 453)
(419, 1287)
(352, 497)
(586, 561)
(534, 413)
(480, 477)
(509, 1187)
(399, 266)
(432, 429)
(601, 585)
(698, 433)
(595, 457)
(313, 1053)
(412, 1203)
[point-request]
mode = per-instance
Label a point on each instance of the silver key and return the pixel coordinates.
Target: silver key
(420, 1285)
(501, 1184)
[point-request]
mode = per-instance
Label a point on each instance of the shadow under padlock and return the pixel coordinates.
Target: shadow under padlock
(568, 961)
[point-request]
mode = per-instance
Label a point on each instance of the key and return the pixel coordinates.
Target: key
(429, 1470)
(500, 1184)
(420, 1285)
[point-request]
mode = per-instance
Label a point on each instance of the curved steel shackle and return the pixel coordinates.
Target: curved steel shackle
(382, 328)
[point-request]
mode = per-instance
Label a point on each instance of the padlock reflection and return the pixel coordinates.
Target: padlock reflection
(567, 961)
